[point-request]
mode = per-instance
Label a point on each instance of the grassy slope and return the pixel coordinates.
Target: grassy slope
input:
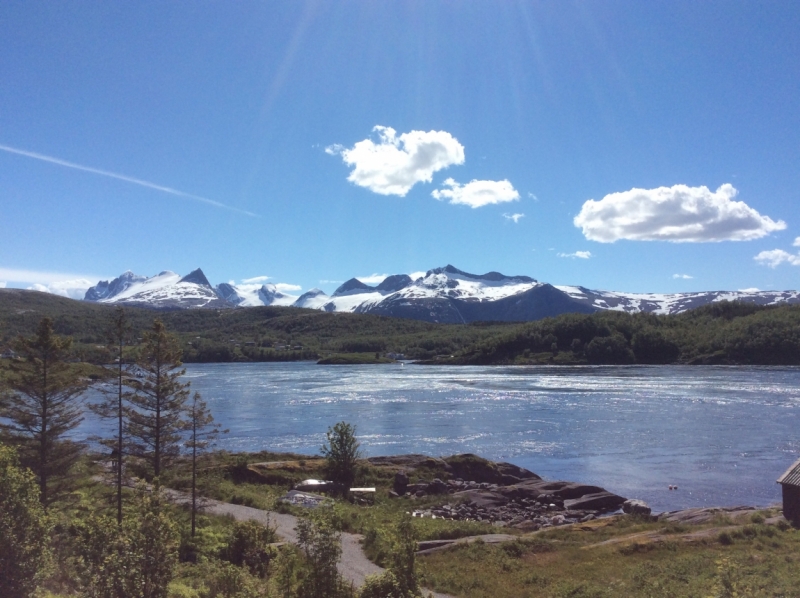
(718, 559)
(608, 557)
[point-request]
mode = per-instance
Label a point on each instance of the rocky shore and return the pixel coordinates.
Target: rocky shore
(475, 489)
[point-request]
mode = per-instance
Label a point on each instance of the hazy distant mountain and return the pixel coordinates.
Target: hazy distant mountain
(446, 295)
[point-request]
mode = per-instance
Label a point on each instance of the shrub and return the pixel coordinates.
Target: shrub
(24, 529)
(341, 451)
(249, 547)
(381, 585)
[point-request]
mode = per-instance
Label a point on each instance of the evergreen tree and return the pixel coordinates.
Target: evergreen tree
(157, 418)
(202, 432)
(24, 529)
(43, 406)
(113, 404)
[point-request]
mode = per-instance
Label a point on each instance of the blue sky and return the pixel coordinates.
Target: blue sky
(647, 146)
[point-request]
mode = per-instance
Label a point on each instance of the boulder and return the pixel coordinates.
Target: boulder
(437, 486)
(400, 482)
(598, 501)
(634, 506)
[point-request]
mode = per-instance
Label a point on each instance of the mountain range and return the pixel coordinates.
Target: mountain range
(445, 295)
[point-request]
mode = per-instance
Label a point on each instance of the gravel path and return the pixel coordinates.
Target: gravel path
(354, 565)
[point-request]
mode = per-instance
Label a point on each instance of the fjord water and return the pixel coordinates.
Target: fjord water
(721, 434)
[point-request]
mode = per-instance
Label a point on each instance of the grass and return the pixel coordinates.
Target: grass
(753, 560)
(608, 557)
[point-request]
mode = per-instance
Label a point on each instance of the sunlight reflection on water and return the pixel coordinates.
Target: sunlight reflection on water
(722, 434)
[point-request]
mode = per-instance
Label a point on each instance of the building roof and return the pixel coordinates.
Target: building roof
(792, 475)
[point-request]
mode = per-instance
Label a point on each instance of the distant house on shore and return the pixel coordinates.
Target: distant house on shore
(790, 483)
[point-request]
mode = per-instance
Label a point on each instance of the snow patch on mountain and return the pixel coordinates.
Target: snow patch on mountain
(441, 294)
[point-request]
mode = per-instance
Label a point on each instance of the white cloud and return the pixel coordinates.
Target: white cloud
(3, 285)
(680, 214)
(373, 278)
(283, 286)
(775, 257)
(796, 242)
(750, 290)
(331, 281)
(682, 276)
(532, 196)
(584, 255)
(416, 275)
(393, 165)
(74, 289)
(256, 279)
(515, 217)
(335, 149)
(476, 194)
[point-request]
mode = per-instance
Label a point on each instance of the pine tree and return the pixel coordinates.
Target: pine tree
(24, 529)
(44, 405)
(202, 432)
(115, 396)
(157, 414)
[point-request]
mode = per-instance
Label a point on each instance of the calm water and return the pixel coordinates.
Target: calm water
(722, 434)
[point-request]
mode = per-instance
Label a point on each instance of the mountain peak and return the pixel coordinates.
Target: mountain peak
(354, 284)
(394, 283)
(489, 276)
(196, 277)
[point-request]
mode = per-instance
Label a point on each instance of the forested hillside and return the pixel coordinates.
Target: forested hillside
(252, 334)
(721, 333)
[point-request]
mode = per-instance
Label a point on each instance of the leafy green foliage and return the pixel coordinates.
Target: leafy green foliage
(723, 333)
(136, 558)
(248, 547)
(341, 451)
(319, 538)
(24, 529)
(381, 585)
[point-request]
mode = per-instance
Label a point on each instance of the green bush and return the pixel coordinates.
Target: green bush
(381, 585)
(249, 547)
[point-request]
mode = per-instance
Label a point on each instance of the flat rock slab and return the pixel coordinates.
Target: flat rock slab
(699, 515)
(598, 501)
(437, 545)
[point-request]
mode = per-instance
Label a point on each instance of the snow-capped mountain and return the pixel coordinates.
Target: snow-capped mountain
(251, 295)
(659, 303)
(166, 290)
(446, 295)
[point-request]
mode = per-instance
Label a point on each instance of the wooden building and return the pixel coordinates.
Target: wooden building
(790, 483)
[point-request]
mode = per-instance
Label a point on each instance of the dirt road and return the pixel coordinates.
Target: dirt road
(353, 565)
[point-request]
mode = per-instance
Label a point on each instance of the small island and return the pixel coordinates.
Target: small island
(354, 359)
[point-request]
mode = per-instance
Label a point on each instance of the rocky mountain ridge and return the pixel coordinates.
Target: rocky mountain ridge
(444, 295)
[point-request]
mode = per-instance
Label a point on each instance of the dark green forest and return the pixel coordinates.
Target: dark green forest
(721, 333)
